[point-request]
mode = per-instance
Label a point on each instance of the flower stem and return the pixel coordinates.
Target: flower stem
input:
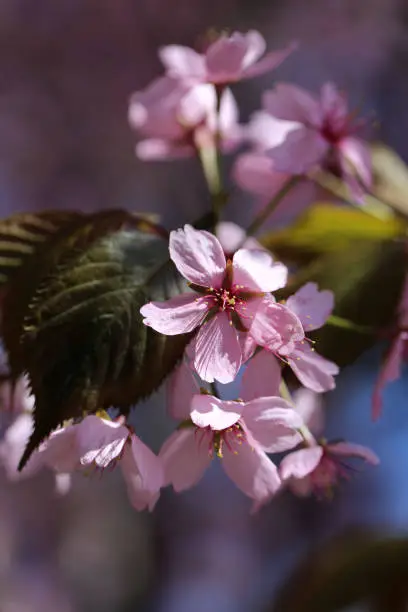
(272, 205)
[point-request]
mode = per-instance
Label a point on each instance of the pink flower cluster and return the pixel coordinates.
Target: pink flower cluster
(229, 306)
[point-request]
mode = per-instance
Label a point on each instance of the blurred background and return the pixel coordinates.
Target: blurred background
(67, 69)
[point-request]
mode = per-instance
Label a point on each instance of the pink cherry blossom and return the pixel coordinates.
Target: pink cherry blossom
(228, 59)
(229, 296)
(176, 120)
(319, 467)
(180, 389)
(396, 354)
(240, 434)
(311, 308)
(318, 131)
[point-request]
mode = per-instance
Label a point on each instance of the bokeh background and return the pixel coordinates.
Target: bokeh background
(67, 69)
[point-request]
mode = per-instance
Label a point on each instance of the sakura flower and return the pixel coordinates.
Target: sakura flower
(176, 120)
(396, 355)
(227, 60)
(229, 295)
(240, 434)
(317, 132)
(311, 307)
(319, 466)
(104, 443)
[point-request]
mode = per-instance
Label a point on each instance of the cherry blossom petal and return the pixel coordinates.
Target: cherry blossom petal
(178, 315)
(347, 449)
(100, 441)
(232, 237)
(267, 132)
(300, 463)
(254, 172)
(248, 346)
(313, 307)
(252, 471)
(272, 423)
(255, 270)
(261, 377)
(310, 407)
(181, 387)
(143, 474)
(303, 149)
(216, 350)
(390, 371)
(292, 103)
(276, 328)
(229, 113)
(227, 56)
(272, 60)
(313, 370)
(209, 411)
(185, 456)
(182, 62)
(153, 111)
(357, 153)
(198, 256)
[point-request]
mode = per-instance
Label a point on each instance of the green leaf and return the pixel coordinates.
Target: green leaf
(351, 569)
(367, 281)
(77, 330)
(325, 228)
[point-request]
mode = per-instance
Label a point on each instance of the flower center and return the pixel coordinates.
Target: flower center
(224, 299)
(218, 440)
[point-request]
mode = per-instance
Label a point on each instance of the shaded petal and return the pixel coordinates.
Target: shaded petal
(143, 474)
(100, 441)
(302, 149)
(198, 256)
(182, 62)
(232, 237)
(225, 58)
(272, 423)
(216, 350)
(181, 387)
(357, 153)
(292, 103)
(12, 446)
(252, 471)
(267, 132)
(310, 407)
(254, 172)
(347, 449)
(313, 370)
(247, 344)
(185, 456)
(255, 270)
(300, 463)
(334, 106)
(276, 328)
(272, 60)
(313, 307)
(209, 411)
(261, 377)
(178, 315)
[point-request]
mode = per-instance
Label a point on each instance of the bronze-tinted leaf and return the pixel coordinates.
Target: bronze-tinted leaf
(325, 228)
(84, 345)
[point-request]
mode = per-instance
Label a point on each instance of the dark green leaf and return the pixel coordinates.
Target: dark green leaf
(72, 321)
